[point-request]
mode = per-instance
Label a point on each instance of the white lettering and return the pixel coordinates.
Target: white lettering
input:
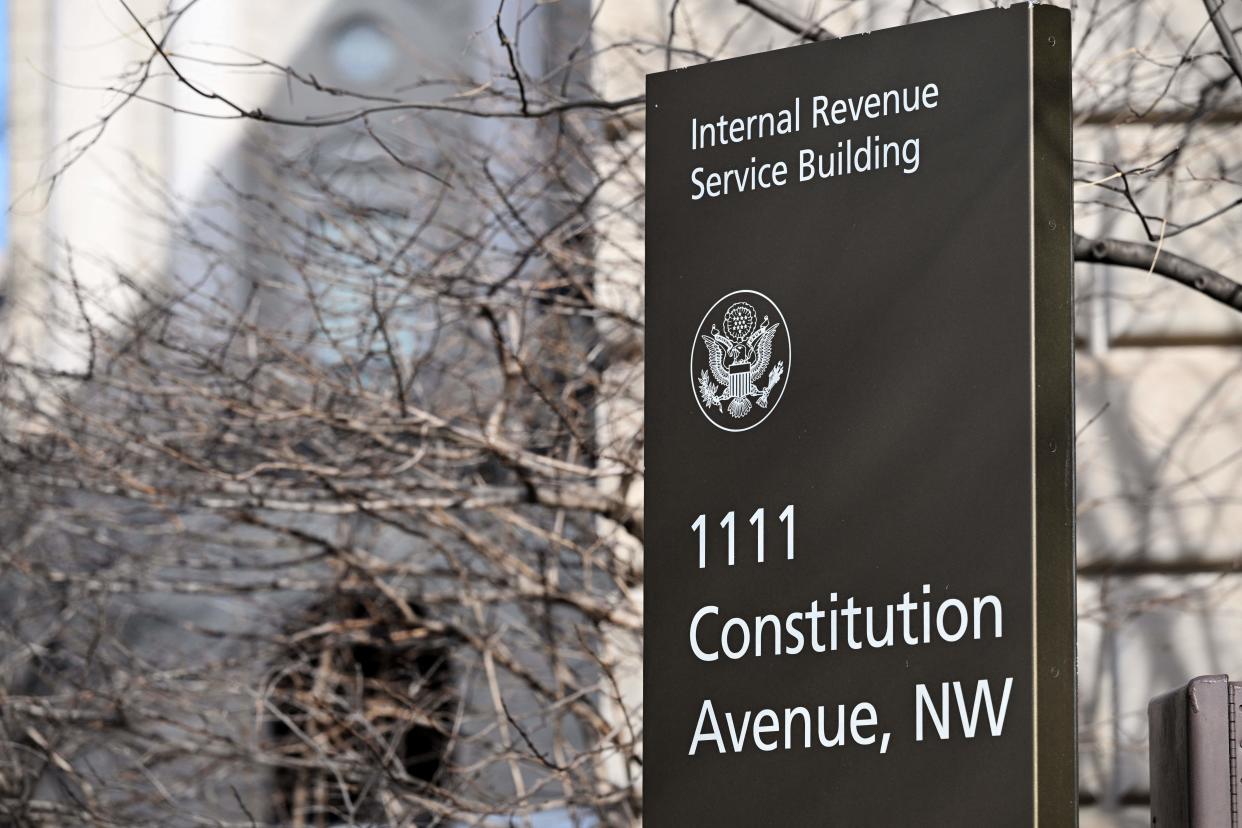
(699, 653)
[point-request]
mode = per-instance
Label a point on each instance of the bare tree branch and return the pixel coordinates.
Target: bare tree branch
(805, 30)
(1233, 54)
(1150, 258)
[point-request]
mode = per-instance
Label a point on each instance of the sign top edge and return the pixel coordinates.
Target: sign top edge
(1031, 8)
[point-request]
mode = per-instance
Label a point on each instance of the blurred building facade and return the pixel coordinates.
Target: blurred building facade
(168, 190)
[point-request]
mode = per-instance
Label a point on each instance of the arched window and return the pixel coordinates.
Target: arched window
(363, 50)
(362, 684)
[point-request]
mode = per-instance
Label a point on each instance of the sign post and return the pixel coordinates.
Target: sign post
(860, 583)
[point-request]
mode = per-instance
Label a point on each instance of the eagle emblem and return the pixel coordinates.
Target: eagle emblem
(739, 351)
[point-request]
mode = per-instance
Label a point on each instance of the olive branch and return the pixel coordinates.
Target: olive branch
(707, 391)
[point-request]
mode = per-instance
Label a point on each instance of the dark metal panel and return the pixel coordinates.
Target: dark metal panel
(1235, 751)
(1056, 608)
(925, 435)
(1194, 744)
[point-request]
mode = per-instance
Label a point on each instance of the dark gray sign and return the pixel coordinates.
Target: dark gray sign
(860, 584)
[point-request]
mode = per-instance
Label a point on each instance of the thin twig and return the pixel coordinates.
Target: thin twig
(805, 30)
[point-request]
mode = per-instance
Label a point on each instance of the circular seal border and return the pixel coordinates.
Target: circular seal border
(788, 361)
